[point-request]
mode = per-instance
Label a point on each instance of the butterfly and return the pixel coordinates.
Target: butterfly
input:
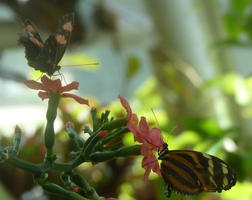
(191, 172)
(45, 56)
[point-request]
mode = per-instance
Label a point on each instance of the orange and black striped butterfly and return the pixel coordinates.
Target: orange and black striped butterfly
(191, 172)
(45, 56)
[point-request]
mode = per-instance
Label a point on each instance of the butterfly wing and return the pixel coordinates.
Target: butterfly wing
(46, 57)
(63, 35)
(191, 172)
(31, 41)
(55, 46)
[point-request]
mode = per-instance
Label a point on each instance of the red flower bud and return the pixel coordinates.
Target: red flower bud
(103, 133)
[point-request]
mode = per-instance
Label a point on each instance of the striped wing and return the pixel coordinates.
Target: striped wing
(191, 172)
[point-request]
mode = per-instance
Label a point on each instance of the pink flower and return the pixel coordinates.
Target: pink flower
(149, 163)
(151, 139)
(54, 86)
(132, 119)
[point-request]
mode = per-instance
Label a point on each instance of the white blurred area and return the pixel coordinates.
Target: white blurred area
(27, 117)
(10, 116)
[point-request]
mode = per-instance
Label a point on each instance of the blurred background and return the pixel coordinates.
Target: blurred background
(185, 65)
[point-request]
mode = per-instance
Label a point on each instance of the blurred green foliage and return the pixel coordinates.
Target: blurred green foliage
(237, 20)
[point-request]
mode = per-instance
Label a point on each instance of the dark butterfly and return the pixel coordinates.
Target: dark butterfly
(192, 172)
(45, 56)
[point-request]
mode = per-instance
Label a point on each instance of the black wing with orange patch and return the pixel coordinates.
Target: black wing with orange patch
(46, 56)
(31, 41)
(192, 172)
(63, 35)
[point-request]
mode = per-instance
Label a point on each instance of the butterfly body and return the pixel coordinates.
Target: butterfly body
(45, 56)
(191, 172)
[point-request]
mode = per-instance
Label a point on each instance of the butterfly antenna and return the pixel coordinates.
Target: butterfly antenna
(155, 117)
(76, 65)
(173, 129)
(64, 79)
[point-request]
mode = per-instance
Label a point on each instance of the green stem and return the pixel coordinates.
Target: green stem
(27, 166)
(16, 141)
(58, 190)
(72, 134)
(117, 123)
(83, 184)
(93, 141)
(40, 167)
(112, 135)
(59, 166)
(122, 152)
(51, 116)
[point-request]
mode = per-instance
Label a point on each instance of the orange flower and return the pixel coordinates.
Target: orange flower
(54, 86)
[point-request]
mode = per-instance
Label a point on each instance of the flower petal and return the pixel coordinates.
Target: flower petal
(45, 80)
(156, 138)
(133, 119)
(156, 168)
(146, 164)
(153, 137)
(76, 98)
(126, 105)
(146, 150)
(51, 85)
(72, 86)
(34, 85)
(137, 134)
(43, 95)
(150, 163)
(55, 86)
(144, 127)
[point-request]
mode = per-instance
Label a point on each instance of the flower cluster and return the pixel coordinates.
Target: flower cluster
(151, 139)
